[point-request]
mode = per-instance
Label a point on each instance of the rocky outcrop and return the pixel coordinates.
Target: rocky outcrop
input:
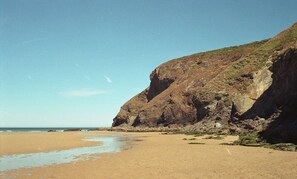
(228, 89)
(170, 97)
(278, 104)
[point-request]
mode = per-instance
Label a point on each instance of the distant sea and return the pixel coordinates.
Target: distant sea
(43, 129)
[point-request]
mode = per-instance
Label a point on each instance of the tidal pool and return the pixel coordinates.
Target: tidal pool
(108, 144)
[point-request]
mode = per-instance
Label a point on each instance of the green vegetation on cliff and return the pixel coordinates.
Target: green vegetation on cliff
(245, 88)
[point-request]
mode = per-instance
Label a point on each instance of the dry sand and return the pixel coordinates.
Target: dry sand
(169, 156)
(28, 142)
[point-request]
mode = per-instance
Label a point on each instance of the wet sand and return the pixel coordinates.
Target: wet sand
(169, 156)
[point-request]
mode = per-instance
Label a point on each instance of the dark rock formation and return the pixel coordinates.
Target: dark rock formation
(251, 87)
(71, 130)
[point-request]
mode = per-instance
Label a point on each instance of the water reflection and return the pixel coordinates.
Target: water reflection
(17, 161)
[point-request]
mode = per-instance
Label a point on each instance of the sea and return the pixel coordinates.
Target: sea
(44, 129)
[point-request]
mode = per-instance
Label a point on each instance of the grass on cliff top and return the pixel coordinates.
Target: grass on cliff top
(260, 58)
(231, 49)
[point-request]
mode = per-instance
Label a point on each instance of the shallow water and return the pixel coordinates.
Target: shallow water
(17, 161)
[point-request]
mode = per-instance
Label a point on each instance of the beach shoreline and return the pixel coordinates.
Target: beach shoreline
(31, 142)
(155, 155)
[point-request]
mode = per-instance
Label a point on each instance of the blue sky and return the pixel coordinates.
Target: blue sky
(75, 63)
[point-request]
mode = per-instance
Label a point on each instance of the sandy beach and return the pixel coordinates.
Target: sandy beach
(154, 155)
(29, 142)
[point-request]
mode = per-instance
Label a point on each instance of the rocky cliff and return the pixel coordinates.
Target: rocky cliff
(246, 87)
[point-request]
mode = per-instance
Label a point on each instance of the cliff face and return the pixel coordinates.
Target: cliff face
(222, 89)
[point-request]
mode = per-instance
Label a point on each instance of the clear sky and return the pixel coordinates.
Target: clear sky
(76, 62)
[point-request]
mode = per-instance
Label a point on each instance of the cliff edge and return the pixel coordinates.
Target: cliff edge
(251, 87)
